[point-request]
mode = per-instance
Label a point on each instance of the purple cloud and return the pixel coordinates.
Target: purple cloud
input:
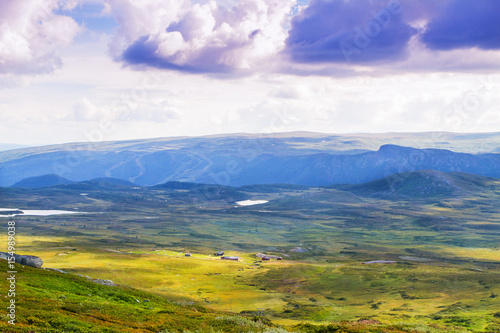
(465, 24)
(144, 52)
(248, 36)
(213, 37)
(354, 31)
(31, 33)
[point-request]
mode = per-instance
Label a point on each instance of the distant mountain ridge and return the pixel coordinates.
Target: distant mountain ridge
(10, 146)
(423, 184)
(244, 159)
(42, 181)
(415, 185)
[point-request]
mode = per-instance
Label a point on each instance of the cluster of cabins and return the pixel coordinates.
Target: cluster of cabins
(220, 254)
(267, 257)
(223, 257)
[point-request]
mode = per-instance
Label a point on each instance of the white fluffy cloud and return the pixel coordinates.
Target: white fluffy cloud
(147, 110)
(213, 36)
(30, 33)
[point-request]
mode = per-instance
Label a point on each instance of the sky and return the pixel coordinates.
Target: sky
(100, 70)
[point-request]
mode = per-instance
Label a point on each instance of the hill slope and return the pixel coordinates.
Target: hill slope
(51, 302)
(448, 244)
(423, 184)
(55, 302)
(42, 181)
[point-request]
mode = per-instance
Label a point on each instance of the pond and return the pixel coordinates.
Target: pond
(38, 212)
(251, 202)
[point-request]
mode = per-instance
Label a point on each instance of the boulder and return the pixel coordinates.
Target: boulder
(103, 282)
(32, 261)
(55, 270)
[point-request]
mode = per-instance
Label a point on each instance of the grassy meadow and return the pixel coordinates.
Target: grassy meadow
(444, 275)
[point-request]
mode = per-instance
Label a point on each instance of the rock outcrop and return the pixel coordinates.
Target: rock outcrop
(27, 260)
(100, 281)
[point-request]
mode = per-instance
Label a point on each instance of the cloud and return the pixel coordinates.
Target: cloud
(92, 15)
(272, 115)
(359, 31)
(68, 5)
(465, 24)
(239, 37)
(319, 37)
(214, 36)
(423, 59)
(84, 110)
(377, 37)
(30, 34)
(299, 91)
(148, 110)
(157, 110)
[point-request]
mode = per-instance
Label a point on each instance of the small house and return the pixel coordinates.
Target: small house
(187, 255)
(266, 258)
(219, 253)
(279, 258)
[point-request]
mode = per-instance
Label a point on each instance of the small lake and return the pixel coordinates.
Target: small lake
(31, 212)
(251, 202)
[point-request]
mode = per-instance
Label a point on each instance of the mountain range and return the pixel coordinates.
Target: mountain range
(299, 158)
(416, 185)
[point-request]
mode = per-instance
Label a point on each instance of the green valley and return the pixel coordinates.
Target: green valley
(360, 258)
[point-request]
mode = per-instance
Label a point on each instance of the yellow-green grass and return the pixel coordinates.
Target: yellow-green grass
(474, 253)
(202, 277)
(413, 294)
(311, 291)
(51, 302)
(447, 251)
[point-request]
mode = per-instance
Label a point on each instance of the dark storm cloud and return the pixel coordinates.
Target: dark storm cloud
(465, 24)
(358, 31)
(144, 53)
(326, 33)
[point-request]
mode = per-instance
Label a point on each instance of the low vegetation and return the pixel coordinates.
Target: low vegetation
(439, 268)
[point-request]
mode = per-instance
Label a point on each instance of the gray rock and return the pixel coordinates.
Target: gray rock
(55, 270)
(262, 255)
(103, 282)
(32, 261)
(27, 260)
(299, 249)
(380, 262)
